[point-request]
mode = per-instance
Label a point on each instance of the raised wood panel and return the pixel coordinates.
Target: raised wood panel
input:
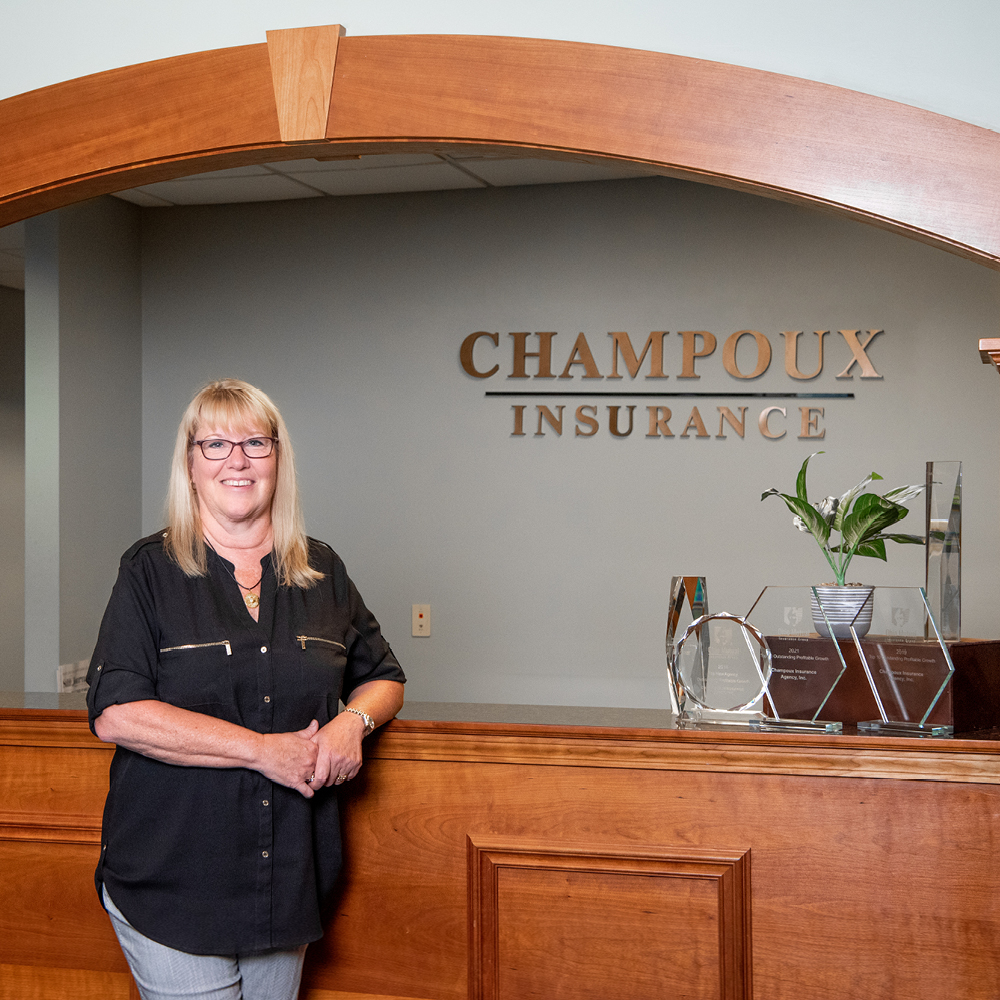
(55, 795)
(302, 63)
(587, 924)
(929, 177)
(855, 882)
(32, 982)
(51, 916)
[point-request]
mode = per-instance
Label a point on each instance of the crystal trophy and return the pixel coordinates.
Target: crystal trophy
(944, 547)
(688, 601)
(719, 669)
(908, 674)
(805, 665)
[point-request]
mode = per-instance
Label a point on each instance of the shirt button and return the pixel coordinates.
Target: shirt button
(264, 853)
(267, 698)
(266, 802)
(263, 649)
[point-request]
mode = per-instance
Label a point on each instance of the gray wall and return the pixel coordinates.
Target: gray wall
(100, 408)
(83, 423)
(547, 559)
(12, 488)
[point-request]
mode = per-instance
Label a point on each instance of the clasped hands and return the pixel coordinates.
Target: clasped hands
(313, 757)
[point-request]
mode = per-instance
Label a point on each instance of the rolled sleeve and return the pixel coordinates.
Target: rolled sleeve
(123, 667)
(369, 656)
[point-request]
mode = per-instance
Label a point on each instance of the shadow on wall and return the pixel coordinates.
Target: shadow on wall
(12, 488)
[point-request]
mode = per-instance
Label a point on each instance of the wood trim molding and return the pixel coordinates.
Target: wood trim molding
(47, 828)
(29, 727)
(728, 927)
(311, 993)
(973, 761)
(302, 65)
(989, 351)
(921, 174)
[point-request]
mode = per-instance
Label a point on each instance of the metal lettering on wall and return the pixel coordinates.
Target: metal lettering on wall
(746, 355)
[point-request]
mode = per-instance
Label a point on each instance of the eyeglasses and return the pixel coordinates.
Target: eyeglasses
(217, 449)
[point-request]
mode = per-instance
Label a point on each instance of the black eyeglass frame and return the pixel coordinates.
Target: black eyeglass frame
(235, 444)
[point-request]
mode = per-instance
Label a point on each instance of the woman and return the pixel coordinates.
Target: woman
(226, 647)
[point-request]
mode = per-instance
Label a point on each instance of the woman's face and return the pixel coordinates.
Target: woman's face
(235, 489)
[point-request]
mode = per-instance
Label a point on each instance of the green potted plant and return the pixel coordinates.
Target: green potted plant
(860, 519)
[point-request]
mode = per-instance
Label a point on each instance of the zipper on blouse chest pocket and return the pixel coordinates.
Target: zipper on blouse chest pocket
(303, 639)
(200, 645)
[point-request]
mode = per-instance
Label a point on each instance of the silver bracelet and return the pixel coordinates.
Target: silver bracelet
(368, 720)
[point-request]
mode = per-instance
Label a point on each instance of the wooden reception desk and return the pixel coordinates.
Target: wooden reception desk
(503, 853)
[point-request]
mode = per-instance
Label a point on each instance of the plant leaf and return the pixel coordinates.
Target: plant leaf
(814, 521)
(906, 539)
(871, 514)
(873, 547)
(903, 493)
(800, 482)
(865, 503)
(848, 498)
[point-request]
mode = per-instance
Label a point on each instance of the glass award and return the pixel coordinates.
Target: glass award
(909, 674)
(944, 547)
(806, 665)
(719, 670)
(688, 601)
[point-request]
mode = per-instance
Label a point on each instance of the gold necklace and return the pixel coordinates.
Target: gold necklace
(250, 599)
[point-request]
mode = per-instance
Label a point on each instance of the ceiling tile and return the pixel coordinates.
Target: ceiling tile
(211, 191)
(139, 196)
(252, 171)
(390, 180)
(508, 173)
(359, 163)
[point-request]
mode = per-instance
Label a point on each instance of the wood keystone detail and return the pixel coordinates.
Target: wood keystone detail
(302, 65)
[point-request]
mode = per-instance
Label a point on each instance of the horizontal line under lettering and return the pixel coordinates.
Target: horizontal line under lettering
(686, 395)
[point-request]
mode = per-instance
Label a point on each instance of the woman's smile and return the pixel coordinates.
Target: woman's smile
(235, 488)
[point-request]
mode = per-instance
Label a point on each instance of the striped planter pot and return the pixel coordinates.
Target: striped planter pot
(843, 606)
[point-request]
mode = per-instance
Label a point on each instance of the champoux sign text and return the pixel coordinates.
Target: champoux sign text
(582, 375)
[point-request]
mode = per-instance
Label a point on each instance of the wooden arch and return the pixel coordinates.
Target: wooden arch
(310, 92)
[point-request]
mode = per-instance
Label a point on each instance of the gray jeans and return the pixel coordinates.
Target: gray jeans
(163, 973)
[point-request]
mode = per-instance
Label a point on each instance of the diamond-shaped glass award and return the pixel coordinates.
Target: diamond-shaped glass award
(805, 665)
(719, 670)
(908, 673)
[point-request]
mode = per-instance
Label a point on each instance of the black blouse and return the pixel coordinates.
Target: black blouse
(222, 860)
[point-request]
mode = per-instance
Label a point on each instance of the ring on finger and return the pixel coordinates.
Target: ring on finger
(311, 778)
(341, 778)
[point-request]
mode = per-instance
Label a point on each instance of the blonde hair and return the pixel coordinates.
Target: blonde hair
(240, 406)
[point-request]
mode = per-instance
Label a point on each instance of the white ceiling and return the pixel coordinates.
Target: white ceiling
(386, 173)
